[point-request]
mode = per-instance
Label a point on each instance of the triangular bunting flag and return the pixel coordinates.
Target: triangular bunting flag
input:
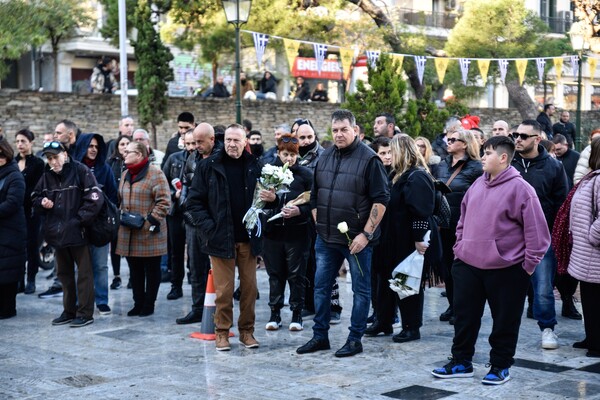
(558, 65)
(372, 57)
(484, 67)
(347, 56)
(464, 69)
(320, 51)
(441, 64)
(503, 65)
(592, 62)
(400, 59)
(541, 65)
(521, 68)
(420, 63)
(260, 44)
(291, 51)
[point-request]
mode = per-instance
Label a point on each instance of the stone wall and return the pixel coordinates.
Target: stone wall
(40, 112)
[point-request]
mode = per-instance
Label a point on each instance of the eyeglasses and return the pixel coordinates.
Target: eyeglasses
(53, 145)
(289, 139)
(452, 140)
(522, 136)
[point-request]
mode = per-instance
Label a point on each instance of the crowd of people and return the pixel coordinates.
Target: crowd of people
(365, 204)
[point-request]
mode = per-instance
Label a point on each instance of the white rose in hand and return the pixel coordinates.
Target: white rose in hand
(342, 227)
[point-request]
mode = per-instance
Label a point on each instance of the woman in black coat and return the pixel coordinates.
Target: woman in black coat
(463, 156)
(117, 165)
(32, 168)
(406, 220)
(287, 241)
(13, 230)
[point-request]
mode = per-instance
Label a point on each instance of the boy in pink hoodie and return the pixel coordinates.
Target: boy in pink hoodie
(501, 236)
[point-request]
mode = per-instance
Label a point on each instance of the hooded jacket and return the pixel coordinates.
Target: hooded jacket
(13, 229)
(548, 178)
(501, 224)
(439, 146)
(101, 170)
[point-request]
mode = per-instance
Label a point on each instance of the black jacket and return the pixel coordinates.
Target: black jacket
(208, 205)
(439, 146)
(567, 130)
(470, 171)
(77, 200)
(117, 166)
(13, 228)
(544, 120)
(173, 169)
(220, 90)
(172, 147)
(34, 168)
(548, 178)
(295, 227)
(569, 161)
(302, 92)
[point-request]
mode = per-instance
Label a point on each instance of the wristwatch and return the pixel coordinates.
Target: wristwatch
(368, 235)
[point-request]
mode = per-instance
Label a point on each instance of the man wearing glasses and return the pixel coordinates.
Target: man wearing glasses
(548, 178)
(69, 198)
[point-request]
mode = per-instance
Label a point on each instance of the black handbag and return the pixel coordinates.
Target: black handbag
(132, 220)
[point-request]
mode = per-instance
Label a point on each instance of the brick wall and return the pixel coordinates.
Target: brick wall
(40, 112)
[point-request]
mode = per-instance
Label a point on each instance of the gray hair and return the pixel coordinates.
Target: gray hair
(145, 132)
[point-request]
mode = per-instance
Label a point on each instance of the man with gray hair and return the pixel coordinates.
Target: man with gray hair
(154, 156)
(271, 155)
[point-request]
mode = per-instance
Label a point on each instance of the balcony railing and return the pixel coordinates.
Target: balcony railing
(447, 20)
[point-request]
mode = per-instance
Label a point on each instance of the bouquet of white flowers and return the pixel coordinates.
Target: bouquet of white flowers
(271, 177)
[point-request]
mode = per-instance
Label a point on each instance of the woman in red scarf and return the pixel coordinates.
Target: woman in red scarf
(143, 190)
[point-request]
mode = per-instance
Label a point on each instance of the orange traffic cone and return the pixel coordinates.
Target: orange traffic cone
(207, 329)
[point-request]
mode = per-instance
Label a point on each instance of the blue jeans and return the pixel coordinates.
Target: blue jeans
(100, 269)
(542, 282)
(329, 259)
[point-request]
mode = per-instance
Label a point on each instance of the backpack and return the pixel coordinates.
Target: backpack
(105, 227)
(562, 238)
(441, 211)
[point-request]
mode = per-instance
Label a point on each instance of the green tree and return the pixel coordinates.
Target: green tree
(154, 70)
(57, 20)
(423, 118)
(383, 93)
(511, 31)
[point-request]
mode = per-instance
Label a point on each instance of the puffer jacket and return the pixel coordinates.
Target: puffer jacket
(470, 171)
(77, 200)
(584, 264)
(583, 165)
(13, 229)
(439, 146)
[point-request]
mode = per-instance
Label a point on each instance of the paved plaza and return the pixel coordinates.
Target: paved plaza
(120, 357)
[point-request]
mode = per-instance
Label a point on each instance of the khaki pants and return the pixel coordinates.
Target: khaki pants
(224, 280)
(78, 295)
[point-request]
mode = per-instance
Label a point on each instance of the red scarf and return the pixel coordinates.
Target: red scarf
(135, 169)
(90, 163)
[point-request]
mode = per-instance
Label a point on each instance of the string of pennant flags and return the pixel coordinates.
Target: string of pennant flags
(347, 55)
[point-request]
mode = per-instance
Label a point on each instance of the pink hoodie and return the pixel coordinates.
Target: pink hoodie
(501, 224)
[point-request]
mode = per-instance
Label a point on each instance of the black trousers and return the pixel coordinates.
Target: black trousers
(448, 237)
(286, 260)
(590, 302)
(33, 246)
(144, 273)
(199, 264)
(115, 259)
(176, 244)
(566, 285)
(8, 299)
(504, 289)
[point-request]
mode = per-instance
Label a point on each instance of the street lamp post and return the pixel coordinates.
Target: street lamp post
(237, 13)
(579, 44)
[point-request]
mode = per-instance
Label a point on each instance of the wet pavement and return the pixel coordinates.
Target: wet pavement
(120, 357)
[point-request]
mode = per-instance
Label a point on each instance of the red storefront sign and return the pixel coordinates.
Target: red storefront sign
(307, 68)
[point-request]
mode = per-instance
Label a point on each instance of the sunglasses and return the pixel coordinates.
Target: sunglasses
(522, 136)
(289, 139)
(452, 140)
(53, 145)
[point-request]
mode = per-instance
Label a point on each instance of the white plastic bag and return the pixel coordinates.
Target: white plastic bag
(406, 277)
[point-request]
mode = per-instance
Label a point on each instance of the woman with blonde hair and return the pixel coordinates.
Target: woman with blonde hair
(407, 218)
(583, 165)
(458, 171)
(426, 151)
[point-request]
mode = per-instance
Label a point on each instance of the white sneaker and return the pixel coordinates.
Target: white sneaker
(273, 325)
(549, 339)
(296, 327)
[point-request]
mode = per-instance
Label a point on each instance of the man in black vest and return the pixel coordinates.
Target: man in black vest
(350, 189)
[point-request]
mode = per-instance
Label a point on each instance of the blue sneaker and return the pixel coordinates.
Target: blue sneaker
(496, 376)
(454, 369)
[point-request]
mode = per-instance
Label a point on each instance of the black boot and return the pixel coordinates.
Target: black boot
(569, 310)
(407, 335)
